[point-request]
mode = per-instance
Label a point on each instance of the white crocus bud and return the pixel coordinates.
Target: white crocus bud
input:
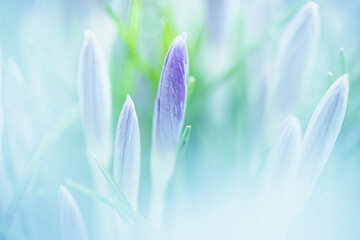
(322, 132)
(127, 152)
(295, 57)
(318, 142)
(95, 99)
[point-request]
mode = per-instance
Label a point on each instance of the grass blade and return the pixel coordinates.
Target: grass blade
(114, 187)
(183, 142)
(134, 22)
(130, 34)
(130, 217)
(120, 26)
(191, 87)
(342, 67)
(121, 212)
(330, 78)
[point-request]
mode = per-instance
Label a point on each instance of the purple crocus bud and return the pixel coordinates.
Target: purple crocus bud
(127, 152)
(72, 225)
(168, 121)
(95, 98)
(169, 110)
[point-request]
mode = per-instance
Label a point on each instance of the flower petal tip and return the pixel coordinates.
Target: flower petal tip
(128, 99)
(293, 123)
(129, 104)
(72, 223)
(89, 38)
(184, 36)
(180, 42)
(312, 6)
(291, 120)
(62, 191)
(340, 87)
(343, 81)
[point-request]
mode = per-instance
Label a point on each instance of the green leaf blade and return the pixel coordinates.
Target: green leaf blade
(342, 65)
(183, 141)
(114, 187)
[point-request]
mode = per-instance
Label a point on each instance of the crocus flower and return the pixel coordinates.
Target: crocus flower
(127, 152)
(169, 115)
(95, 98)
(321, 133)
(295, 164)
(169, 110)
(295, 56)
(315, 148)
(72, 225)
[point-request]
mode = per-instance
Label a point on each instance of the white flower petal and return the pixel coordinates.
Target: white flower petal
(283, 157)
(1, 97)
(322, 132)
(17, 107)
(127, 152)
(295, 56)
(95, 98)
(72, 225)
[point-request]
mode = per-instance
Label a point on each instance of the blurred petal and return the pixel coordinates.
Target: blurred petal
(322, 132)
(1, 98)
(95, 98)
(216, 18)
(169, 110)
(127, 152)
(3, 175)
(295, 55)
(18, 105)
(72, 225)
(283, 156)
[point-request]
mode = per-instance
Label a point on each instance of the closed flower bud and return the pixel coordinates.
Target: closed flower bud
(168, 122)
(295, 56)
(322, 131)
(127, 152)
(95, 98)
(169, 110)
